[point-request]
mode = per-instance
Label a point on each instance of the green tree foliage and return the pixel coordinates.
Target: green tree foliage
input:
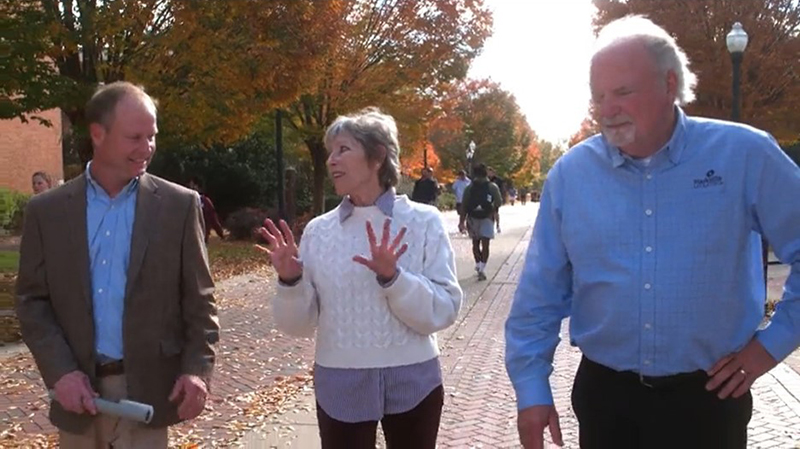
(215, 65)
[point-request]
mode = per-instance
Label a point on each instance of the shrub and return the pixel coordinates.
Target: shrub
(446, 201)
(12, 207)
(242, 223)
(405, 186)
(238, 176)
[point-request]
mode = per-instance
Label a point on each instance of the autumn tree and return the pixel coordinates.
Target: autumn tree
(215, 65)
(394, 54)
(770, 84)
(481, 111)
(528, 172)
(548, 155)
(589, 127)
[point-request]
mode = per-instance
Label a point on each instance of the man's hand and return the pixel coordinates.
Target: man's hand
(739, 370)
(74, 392)
(192, 392)
(531, 423)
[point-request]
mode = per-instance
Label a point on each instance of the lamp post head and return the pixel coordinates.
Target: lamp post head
(471, 149)
(736, 39)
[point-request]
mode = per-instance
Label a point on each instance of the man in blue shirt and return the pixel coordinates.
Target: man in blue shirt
(114, 294)
(648, 238)
(459, 185)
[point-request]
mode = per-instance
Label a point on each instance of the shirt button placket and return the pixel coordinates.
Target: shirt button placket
(648, 274)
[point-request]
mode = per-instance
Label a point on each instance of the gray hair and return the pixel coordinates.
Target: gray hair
(374, 130)
(665, 51)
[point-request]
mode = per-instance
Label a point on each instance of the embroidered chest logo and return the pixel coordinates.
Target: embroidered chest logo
(711, 180)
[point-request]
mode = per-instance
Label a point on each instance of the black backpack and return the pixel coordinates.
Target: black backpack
(479, 204)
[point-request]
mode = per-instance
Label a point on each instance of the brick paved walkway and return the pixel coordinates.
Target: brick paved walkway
(252, 355)
(479, 407)
(480, 410)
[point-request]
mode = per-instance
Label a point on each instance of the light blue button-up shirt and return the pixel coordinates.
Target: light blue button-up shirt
(658, 264)
(109, 223)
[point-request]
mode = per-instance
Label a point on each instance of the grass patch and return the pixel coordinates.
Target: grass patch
(9, 261)
(232, 258)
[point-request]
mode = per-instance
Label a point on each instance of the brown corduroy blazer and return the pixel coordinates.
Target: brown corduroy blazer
(170, 320)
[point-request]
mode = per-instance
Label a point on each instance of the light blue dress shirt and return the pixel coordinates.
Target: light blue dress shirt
(459, 185)
(109, 223)
(658, 262)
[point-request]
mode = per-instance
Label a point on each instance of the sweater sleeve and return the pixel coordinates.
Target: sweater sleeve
(429, 301)
(295, 307)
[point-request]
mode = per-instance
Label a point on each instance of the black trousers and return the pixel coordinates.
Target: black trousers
(414, 429)
(620, 410)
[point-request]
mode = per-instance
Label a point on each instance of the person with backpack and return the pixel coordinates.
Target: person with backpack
(481, 202)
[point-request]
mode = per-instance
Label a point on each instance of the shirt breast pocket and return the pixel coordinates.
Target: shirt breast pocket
(704, 219)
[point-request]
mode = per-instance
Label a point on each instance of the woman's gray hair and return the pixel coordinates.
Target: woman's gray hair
(375, 131)
(665, 51)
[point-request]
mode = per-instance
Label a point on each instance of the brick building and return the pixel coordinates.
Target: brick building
(26, 148)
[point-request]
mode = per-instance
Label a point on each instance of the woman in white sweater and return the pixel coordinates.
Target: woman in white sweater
(376, 279)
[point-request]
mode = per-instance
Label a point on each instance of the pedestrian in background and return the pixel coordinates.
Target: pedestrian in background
(459, 185)
(426, 188)
(41, 182)
(481, 203)
(210, 217)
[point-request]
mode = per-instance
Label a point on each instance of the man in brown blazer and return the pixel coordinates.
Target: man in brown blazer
(114, 293)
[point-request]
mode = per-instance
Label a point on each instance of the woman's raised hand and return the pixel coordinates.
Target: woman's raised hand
(282, 250)
(384, 254)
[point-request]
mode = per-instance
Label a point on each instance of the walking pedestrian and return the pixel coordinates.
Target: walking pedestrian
(459, 185)
(648, 238)
(481, 202)
(376, 282)
(114, 293)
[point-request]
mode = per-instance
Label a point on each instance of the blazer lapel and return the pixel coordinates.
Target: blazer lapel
(75, 212)
(148, 203)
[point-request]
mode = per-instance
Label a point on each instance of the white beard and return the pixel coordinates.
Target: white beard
(620, 136)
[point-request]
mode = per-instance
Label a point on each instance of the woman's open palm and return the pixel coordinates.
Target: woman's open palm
(384, 254)
(282, 249)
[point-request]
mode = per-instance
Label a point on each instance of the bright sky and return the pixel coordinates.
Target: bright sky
(540, 52)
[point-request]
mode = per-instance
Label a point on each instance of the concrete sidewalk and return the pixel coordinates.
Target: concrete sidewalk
(479, 407)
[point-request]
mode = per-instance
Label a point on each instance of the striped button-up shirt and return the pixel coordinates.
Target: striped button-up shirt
(658, 262)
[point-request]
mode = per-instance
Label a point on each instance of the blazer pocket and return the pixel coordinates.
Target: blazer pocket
(170, 348)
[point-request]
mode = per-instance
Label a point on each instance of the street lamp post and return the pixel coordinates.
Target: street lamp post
(736, 41)
(470, 155)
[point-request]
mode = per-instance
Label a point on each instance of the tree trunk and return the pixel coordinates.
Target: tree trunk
(291, 196)
(81, 142)
(319, 156)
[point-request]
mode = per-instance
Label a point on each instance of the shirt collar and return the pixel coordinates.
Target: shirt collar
(673, 148)
(384, 203)
(96, 188)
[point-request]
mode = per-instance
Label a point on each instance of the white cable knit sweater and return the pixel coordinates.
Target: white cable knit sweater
(359, 323)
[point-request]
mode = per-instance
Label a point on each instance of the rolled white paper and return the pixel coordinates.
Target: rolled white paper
(130, 410)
